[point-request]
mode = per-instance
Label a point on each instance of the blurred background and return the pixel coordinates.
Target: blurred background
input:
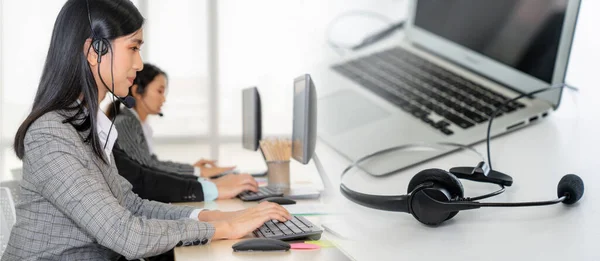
(211, 50)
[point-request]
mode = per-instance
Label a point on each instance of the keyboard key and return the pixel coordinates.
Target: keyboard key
(265, 230)
(420, 87)
(428, 121)
(458, 120)
(304, 221)
(474, 116)
(441, 124)
(446, 131)
(295, 229)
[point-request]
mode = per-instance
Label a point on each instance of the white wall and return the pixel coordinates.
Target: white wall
(262, 42)
(583, 67)
(270, 42)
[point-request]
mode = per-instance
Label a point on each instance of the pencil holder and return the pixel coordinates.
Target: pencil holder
(277, 154)
(278, 174)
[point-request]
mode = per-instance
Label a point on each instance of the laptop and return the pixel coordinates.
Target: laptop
(456, 63)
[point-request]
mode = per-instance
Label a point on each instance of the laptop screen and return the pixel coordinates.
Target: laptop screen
(522, 34)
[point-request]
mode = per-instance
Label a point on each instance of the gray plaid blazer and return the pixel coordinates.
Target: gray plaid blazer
(73, 206)
(132, 141)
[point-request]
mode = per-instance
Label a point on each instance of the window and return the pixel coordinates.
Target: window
(25, 36)
(24, 46)
(175, 41)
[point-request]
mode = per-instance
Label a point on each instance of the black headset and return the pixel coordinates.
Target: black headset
(435, 195)
(101, 47)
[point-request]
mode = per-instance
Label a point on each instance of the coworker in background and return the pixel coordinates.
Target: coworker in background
(149, 90)
(135, 136)
(154, 184)
(73, 204)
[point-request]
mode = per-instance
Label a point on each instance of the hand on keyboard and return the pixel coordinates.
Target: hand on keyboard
(249, 220)
(229, 186)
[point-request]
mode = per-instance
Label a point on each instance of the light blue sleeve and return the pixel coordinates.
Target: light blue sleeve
(209, 188)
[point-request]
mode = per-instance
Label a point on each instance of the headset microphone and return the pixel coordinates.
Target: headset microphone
(128, 101)
(436, 195)
(428, 206)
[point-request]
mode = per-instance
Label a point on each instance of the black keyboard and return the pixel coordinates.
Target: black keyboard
(263, 192)
(297, 228)
(422, 88)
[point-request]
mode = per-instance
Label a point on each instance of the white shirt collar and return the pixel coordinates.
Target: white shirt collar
(146, 129)
(103, 127)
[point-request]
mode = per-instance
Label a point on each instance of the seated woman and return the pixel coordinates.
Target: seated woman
(73, 205)
(134, 142)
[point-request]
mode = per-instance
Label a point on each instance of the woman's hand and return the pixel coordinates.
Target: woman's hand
(216, 215)
(209, 169)
(203, 163)
(246, 221)
(229, 186)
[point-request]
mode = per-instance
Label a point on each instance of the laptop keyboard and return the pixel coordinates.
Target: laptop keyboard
(263, 192)
(424, 89)
(297, 228)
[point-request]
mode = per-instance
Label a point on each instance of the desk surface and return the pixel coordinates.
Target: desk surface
(536, 157)
(221, 250)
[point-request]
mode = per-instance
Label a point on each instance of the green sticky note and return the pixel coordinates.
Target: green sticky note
(321, 243)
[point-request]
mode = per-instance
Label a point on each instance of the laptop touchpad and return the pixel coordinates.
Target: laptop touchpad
(346, 110)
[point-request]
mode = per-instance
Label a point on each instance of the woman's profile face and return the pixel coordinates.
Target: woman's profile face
(154, 95)
(126, 62)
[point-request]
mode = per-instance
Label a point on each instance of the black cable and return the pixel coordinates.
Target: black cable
(406, 146)
(523, 204)
(112, 78)
(403, 147)
(99, 52)
(377, 36)
(489, 195)
(499, 109)
(392, 26)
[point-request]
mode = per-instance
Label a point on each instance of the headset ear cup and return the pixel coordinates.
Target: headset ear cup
(442, 178)
(100, 46)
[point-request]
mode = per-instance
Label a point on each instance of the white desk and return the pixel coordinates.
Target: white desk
(221, 250)
(536, 157)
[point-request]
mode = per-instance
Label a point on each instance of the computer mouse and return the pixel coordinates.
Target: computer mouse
(261, 244)
(280, 200)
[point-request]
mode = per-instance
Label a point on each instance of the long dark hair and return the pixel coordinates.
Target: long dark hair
(67, 74)
(142, 79)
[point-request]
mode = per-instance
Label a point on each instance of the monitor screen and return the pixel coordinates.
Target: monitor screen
(304, 130)
(522, 34)
(251, 118)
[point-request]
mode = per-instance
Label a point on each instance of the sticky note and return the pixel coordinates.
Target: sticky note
(303, 246)
(321, 243)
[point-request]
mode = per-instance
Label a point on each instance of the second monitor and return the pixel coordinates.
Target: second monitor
(304, 131)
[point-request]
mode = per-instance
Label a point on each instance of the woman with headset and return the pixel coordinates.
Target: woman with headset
(135, 140)
(73, 203)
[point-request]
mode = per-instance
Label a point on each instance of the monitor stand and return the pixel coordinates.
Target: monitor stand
(310, 192)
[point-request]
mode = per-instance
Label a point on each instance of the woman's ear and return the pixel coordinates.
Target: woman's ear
(134, 89)
(88, 51)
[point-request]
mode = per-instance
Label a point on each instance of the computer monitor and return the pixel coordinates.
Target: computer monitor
(304, 131)
(251, 119)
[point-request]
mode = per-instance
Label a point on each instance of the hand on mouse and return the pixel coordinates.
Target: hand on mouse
(230, 186)
(248, 220)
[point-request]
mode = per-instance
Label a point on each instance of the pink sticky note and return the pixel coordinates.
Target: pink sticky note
(303, 246)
